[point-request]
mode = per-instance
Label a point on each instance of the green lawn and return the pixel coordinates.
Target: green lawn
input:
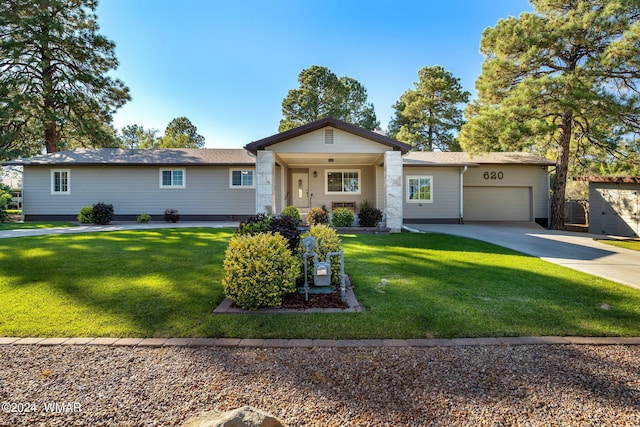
(35, 224)
(166, 282)
(628, 244)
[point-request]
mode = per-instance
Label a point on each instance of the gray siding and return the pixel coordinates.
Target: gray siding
(136, 189)
(445, 195)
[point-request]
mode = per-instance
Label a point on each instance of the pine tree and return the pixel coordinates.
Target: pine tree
(429, 117)
(54, 87)
(560, 80)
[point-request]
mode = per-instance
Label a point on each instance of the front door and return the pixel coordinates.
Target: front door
(300, 190)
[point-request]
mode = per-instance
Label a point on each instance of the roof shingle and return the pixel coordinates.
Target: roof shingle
(119, 156)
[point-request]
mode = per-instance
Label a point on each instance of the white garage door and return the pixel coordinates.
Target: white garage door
(497, 204)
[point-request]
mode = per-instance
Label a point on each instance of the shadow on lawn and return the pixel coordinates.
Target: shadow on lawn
(153, 280)
(455, 287)
(167, 283)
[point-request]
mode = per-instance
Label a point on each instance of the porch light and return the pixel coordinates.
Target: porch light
(315, 174)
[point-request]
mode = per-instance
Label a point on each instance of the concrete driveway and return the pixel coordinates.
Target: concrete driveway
(578, 251)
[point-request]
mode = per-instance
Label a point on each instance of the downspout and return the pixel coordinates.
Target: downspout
(464, 169)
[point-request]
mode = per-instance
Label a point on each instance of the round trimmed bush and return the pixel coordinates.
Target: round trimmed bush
(143, 218)
(342, 217)
(86, 215)
(259, 270)
(369, 217)
(317, 216)
(102, 213)
(293, 212)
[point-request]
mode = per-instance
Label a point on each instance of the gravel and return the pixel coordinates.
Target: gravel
(528, 385)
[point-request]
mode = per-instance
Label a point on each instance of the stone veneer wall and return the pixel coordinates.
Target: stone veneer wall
(265, 167)
(393, 190)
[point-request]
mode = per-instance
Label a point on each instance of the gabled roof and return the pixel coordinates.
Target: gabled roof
(428, 158)
(261, 144)
(119, 156)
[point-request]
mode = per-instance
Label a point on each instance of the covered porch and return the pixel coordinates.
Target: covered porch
(330, 164)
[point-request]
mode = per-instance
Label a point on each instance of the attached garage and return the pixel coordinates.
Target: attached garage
(479, 187)
(497, 203)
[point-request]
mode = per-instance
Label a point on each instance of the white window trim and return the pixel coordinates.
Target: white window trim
(184, 178)
(53, 181)
(231, 171)
(407, 195)
(326, 181)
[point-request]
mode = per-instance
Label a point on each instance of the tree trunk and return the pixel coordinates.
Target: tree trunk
(51, 132)
(562, 168)
(51, 137)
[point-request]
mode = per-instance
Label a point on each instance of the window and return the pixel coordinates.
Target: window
(60, 181)
(242, 178)
(347, 181)
(172, 178)
(419, 189)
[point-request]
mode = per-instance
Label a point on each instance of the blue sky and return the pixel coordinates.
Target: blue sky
(227, 65)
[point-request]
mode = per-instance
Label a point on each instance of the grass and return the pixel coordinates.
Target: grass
(35, 224)
(633, 244)
(166, 282)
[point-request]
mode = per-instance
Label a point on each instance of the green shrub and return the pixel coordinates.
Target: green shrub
(5, 199)
(262, 223)
(293, 212)
(327, 240)
(369, 217)
(342, 217)
(171, 215)
(317, 216)
(102, 213)
(143, 218)
(259, 270)
(86, 215)
(255, 224)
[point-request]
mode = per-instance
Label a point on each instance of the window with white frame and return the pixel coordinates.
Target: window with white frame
(60, 181)
(419, 189)
(342, 181)
(242, 178)
(172, 178)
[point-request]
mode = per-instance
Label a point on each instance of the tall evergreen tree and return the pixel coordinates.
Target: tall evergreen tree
(180, 133)
(563, 79)
(54, 85)
(430, 116)
(323, 94)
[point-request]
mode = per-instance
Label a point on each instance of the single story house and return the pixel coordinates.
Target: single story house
(614, 205)
(327, 163)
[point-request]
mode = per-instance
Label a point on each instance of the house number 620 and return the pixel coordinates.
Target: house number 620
(493, 175)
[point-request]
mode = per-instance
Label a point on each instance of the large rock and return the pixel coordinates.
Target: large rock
(241, 417)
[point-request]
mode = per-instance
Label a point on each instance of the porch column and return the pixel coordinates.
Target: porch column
(393, 190)
(265, 168)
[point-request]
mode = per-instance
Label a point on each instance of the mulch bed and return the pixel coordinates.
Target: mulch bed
(296, 300)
